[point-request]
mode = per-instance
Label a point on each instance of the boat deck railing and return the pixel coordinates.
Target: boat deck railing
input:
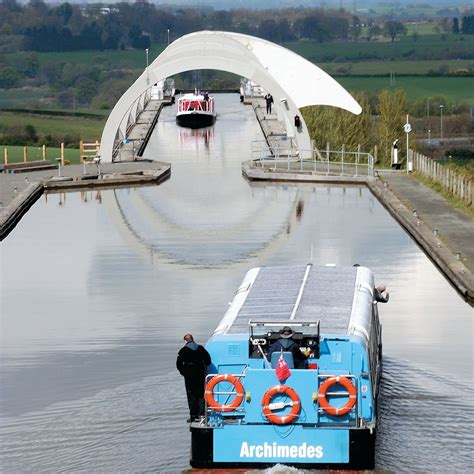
(285, 156)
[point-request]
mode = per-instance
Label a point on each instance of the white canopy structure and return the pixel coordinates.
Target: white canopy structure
(293, 81)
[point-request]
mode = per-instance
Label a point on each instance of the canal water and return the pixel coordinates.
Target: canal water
(98, 288)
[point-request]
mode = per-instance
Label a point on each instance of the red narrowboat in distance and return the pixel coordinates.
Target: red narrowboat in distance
(196, 111)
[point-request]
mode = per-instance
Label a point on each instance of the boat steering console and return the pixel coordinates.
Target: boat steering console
(264, 334)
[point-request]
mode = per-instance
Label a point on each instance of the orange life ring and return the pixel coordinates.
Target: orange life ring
(326, 406)
(295, 406)
(209, 393)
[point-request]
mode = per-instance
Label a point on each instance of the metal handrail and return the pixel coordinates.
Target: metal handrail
(335, 161)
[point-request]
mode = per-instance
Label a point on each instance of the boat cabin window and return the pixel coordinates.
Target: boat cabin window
(263, 336)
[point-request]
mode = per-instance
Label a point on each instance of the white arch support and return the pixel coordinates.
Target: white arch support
(293, 81)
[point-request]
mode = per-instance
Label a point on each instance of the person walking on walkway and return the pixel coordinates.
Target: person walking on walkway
(269, 102)
(192, 363)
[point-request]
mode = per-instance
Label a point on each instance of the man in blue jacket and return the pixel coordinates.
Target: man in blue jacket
(286, 344)
(192, 363)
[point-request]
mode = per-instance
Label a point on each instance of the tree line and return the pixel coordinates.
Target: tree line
(37, 26)
(466, 27)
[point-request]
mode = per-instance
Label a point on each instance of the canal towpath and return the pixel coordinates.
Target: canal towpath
(445, 233)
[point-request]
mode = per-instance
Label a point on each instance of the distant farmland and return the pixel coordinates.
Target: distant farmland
(456, 89)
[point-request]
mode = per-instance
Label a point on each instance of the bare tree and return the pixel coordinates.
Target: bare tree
(393, 28)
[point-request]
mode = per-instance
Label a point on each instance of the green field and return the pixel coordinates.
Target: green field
(420, 28)
(15, 153)
(456, 89)
(403, 47)
(86, 129)
(378, 68)
(134, 59)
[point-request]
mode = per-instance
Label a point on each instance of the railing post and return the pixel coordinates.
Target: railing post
(44, 152)
(375, 154)
(342, 162)
(357, 156)
(97, 147)
(62, 153)
(5, 156)
(327, 155)
(81, 152)
(25, 153)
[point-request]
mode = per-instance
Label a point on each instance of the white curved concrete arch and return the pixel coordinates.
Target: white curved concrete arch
(293, 81)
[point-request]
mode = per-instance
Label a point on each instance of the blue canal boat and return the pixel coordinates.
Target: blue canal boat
(324, 414)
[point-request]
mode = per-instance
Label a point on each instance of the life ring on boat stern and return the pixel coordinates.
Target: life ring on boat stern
(267, 406)
(326, 406)
(209, 392)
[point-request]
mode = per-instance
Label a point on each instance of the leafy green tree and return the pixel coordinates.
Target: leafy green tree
(339, 127)
(392, 108)
(65, 11)
(355, 27)
(31, 66)
(9, 77)
(86, 90)
(30, 133)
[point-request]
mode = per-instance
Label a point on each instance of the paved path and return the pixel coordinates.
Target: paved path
(455, 229)
(138, 133)
(272, 128)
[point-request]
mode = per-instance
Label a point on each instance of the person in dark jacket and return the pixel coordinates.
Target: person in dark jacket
(286, 344)
(269, 102)
(192, 363)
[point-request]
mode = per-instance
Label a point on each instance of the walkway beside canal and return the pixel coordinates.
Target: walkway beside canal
(443, 232)
(140, 132)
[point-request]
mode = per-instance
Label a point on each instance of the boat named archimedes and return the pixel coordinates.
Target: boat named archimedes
(320, 412)
(196, 110)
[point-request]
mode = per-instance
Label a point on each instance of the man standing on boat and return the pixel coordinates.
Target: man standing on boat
(286, 344)
(192, 363)
(269, 102)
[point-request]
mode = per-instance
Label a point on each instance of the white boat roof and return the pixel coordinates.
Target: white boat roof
(193, 97)
(341, 298)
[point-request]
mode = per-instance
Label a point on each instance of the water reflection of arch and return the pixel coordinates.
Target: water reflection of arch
(193, 246)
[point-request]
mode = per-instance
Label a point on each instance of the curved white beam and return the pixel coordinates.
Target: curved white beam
(281, 72)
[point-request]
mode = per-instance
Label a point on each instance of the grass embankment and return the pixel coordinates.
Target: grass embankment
(450, 198)
(15, 154)
(85, 128)
(60, 128)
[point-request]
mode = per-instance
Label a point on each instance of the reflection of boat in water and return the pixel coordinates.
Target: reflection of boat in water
(309, 402)
(204, 135)
(196, 111)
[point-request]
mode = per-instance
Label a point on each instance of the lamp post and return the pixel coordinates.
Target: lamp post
(147, 74)
(441, 120)
(428, 108)
(168, 30)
